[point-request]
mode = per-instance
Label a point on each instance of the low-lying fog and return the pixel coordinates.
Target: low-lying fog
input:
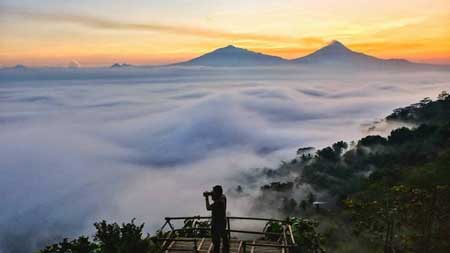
(78, 146)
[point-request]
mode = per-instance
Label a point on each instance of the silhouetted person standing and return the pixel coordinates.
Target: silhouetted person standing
(218, 222)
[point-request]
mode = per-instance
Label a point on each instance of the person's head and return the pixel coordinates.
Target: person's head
(217, 192)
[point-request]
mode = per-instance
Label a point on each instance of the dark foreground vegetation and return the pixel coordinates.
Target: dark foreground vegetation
(109, 238)
(379, 194)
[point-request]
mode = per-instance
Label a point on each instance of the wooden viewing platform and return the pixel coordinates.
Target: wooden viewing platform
(195, 236)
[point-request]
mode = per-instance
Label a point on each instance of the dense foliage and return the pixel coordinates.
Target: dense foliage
(195, 228)
(306, 237)
(304, 231)
(426, 111)
(405, 219)
(109, 238)
(393, 191)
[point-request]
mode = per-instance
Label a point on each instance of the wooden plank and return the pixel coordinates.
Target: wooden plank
(231, 231)
(230, 217)
(292, 235)
(254, 232)
(253, 247)
(210, 247)
(271, 245)
(206, 245)
(239, 247)
(253, 218)
(170, 245)
(165, 242)
(180, 249)
(178, 239)
(188, 218)
(201, 244)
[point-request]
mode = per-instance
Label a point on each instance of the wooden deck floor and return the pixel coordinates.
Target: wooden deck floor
(204, 245)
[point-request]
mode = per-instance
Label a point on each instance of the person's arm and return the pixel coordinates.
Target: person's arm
(225, 203)
(208, 206)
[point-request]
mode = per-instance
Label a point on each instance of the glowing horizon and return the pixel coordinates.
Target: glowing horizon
(96, 33)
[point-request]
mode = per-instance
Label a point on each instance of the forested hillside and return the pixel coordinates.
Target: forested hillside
(380, 194)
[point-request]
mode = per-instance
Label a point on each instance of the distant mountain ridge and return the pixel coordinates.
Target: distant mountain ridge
(338, 54)
(334, 54)
(234, 56)
(121, 65)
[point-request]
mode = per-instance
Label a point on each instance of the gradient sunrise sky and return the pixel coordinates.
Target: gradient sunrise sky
(101, 32)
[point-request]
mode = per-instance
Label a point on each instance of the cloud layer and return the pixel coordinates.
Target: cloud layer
(88, 148)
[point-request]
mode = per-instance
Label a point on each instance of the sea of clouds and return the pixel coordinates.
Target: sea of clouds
(81, 145)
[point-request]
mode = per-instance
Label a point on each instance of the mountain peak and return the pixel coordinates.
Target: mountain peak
(336, 46)
(336, 43)
(337, 53)
(235, 56)
(230, 46)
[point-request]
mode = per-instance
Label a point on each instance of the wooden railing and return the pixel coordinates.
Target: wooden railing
(286, 238)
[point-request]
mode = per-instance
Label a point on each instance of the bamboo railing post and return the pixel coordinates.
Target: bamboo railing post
(170, 224)
(229, 229)
(291, 234)
(284, 235)
(194, 226)
(252, 250)
(195, 245)
(163, 226)
(239, 247)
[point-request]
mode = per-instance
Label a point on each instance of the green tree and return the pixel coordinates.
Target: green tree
(443, 95)
(307, 239)
(404, 218)
(79, 245)
(339, 147)
(109, 238)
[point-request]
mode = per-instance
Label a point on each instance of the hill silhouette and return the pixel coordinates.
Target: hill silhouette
(234, 56)
(335, 54)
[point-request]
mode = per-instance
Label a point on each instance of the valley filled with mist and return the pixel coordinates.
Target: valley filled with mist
(81, 145)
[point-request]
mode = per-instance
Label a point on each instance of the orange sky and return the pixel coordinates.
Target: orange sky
(98, 33)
